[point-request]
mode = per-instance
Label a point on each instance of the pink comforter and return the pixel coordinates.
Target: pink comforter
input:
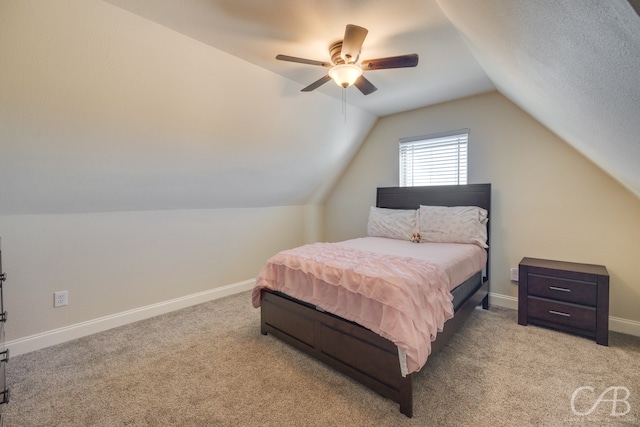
(405, 300)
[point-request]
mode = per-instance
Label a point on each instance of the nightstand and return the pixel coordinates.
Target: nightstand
(567, 296)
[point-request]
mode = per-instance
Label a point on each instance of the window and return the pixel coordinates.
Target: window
(438, 159)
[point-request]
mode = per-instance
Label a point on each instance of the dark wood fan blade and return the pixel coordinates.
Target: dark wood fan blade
(402, 61)
(317, 84)
(303, 60)
(352, 43)
(365, 86)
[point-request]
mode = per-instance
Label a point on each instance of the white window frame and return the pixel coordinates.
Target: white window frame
(435, 159)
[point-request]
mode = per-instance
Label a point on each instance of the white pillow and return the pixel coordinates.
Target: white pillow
(457, 224)
(392, 223)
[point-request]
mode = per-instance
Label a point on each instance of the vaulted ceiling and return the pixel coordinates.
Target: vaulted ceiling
(170, 104)
(574, 65)
(257, 31)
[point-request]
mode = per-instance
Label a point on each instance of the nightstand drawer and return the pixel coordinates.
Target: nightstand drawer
(569, 296)
(561, 313)
(575, 291)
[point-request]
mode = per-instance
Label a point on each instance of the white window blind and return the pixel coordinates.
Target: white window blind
(439, 159)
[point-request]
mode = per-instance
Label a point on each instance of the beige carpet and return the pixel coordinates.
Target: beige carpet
(208, 365)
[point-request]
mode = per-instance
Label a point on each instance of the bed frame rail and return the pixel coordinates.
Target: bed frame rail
(350, 348)
(345, 346)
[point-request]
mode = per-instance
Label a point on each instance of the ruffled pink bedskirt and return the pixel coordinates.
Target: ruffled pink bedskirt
(405, 300)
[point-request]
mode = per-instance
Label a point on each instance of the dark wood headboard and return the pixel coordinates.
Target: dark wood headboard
(441, 195)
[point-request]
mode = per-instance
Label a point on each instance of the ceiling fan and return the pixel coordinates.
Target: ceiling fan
(344, 67)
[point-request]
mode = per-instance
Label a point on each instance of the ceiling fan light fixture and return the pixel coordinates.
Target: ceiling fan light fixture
(345, 74)
(345, 68)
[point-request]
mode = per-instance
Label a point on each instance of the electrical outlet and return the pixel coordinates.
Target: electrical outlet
(60, 298)
(514, 274)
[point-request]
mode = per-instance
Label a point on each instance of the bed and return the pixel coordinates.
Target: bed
(373, 358)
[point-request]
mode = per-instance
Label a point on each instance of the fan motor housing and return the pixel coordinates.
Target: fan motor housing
(334, 50)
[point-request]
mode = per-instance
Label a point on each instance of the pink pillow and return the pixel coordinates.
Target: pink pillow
(457, 224)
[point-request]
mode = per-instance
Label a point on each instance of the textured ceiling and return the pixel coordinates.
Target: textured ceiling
(180, 104)
(257, 31)
(574, 65)
(103, 110)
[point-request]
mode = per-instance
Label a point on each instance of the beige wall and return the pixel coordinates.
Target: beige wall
(102, 110)
(154, 142)
(548, 201)
(114, 262)
(135, 169)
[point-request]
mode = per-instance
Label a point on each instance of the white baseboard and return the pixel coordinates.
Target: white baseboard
(616, 324)
(503, 301)
(78, 330)
(625, 326)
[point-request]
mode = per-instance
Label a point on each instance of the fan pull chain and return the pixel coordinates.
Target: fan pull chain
(344, 104)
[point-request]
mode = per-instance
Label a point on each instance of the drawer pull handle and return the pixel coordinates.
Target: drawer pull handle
(559, 313)
(555, 288)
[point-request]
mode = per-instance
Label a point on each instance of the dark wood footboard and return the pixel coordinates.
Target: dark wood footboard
(350, 348)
